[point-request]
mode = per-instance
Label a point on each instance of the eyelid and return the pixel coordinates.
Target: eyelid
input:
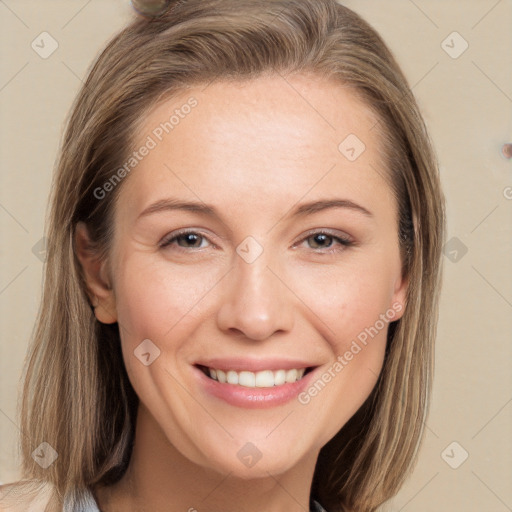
(170, 237)
(333, 233)
(341, 242)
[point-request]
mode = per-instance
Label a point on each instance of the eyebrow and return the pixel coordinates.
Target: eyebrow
(170, 204)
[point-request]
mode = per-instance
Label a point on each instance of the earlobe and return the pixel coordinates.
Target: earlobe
(399, 297)
(99, 288)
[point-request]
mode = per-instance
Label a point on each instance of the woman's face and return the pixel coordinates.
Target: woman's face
(272, 252)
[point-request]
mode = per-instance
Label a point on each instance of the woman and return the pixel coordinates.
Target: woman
(243, 270)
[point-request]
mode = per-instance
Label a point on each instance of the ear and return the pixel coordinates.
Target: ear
(98, 283)
(398, 303)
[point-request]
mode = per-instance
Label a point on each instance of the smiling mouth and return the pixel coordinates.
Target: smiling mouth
(261, 379)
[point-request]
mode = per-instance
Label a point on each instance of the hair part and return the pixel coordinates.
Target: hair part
(75, 372)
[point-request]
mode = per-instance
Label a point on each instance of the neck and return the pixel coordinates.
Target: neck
(159, 478)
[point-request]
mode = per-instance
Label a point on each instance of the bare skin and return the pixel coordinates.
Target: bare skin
(255, 151)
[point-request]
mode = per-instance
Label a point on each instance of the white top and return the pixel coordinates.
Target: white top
(77, 501)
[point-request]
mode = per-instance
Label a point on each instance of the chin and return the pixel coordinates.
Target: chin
(247, 460)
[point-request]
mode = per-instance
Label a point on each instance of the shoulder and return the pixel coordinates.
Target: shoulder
(24, 496)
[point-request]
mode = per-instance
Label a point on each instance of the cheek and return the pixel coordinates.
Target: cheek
(347, 300)
(353, 314)
(159, 302)
(153, 300)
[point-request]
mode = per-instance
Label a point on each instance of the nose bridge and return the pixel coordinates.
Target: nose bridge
(255, 302)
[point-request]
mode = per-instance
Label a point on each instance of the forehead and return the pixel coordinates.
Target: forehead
(266, 137)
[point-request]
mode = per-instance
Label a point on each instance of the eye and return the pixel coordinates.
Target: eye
(324, 240)
(184, 240)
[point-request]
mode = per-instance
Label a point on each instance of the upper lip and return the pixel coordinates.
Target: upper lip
(254, 365)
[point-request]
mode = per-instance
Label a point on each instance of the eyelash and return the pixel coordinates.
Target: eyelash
(342, 241)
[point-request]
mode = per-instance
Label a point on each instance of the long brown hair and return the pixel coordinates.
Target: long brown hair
(77, 397)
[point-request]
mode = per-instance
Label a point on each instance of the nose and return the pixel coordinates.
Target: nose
(256, 300)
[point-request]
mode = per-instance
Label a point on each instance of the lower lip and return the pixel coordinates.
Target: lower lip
(253, 398)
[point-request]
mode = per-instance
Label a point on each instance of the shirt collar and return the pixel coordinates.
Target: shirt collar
(316, 507)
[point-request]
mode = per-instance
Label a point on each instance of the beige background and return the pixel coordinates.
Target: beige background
(467, 104)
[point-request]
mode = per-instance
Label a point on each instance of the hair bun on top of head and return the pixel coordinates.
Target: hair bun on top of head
(151, 8)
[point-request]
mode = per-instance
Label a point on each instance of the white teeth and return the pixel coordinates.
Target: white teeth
(247, 379)
(291, 375)
(262, 379)
(279, 377)
(232, 377)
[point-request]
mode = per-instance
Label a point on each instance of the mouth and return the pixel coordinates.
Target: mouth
(259, 379)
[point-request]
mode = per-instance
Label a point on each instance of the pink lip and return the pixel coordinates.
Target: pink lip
(253, 398)
(254, 365)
